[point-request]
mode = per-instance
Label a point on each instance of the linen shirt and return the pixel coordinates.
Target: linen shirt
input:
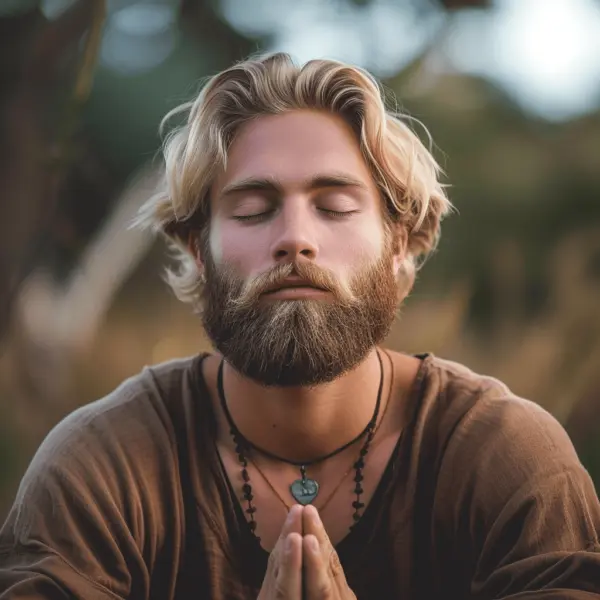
(483, 497)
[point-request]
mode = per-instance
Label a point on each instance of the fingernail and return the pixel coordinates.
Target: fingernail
(288, 544)
(313, 544)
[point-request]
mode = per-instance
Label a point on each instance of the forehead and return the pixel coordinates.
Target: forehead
(292, 147)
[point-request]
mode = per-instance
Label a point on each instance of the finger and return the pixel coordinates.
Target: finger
(312, 525)
(292, 524)
(288, 584)
(318, 583)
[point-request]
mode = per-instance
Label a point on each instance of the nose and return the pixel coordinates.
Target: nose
(295, 237)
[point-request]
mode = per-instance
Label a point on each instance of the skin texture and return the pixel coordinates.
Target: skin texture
(320, 220)
(315, 212)
(304, 564)
(293, 148)
(300, 336)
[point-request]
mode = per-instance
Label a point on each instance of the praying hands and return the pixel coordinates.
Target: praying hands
(304, 563)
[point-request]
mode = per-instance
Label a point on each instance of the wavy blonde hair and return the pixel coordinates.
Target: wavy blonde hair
(403, 168)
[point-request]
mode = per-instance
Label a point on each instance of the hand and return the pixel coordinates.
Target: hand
(283, 578)
(324, 577)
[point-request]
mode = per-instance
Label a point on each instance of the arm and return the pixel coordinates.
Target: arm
(519, 508)
(67, 535)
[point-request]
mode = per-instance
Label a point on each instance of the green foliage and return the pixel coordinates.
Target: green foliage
(589, 453)
(512, 179)
(10, 8)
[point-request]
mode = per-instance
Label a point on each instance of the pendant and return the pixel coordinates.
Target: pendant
(304, 490)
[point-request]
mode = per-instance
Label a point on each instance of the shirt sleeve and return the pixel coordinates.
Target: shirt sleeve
(72, 532)
(518, 511)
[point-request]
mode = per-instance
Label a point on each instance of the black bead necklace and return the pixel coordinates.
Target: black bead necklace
(304, 490)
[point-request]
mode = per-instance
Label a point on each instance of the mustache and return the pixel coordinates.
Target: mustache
(314, 275)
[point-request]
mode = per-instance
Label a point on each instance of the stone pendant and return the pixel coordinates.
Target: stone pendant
(304, 490)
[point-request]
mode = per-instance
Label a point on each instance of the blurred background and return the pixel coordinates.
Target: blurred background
(510, 90)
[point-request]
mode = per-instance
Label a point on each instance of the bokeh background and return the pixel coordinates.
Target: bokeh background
(510, 90)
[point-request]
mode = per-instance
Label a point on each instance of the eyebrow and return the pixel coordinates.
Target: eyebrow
(272, 184)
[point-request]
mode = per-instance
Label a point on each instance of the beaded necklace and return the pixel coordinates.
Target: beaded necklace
(305, 489)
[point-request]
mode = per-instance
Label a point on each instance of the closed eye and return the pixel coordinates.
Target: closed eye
(338, 213)
(257, 217)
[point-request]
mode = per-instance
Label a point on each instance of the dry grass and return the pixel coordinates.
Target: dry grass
(552, 359)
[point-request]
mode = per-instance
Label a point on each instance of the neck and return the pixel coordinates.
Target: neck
(302, 423)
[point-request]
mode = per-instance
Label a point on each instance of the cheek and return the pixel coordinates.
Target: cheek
(354, 258)
(236, 247)
(363, 245)
(215, 243)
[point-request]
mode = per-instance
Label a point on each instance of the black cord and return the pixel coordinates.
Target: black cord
(235, 431)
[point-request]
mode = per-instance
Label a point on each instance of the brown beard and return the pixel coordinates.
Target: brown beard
(302, 342)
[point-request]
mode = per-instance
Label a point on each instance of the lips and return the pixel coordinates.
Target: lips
(293, 283)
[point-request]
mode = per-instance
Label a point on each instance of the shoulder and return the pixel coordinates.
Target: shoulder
(142, 404)
(487, 412)
(447, 396)
(103, 492)
(494, 443)
(476, 402)
(509, 494)
(454, 381)
(116, 441)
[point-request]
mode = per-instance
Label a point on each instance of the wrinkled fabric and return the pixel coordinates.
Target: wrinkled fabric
(484, 497)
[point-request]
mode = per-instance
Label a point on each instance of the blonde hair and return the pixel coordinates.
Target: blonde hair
(402, 167)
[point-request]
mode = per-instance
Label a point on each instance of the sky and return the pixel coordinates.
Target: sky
(545, 53)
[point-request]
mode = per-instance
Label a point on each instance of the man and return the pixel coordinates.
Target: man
(301, 459)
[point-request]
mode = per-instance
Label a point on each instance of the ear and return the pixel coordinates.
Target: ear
(193, 247)
(399, 246)
(404, 269)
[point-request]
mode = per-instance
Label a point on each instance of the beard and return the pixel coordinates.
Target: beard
(303, 342)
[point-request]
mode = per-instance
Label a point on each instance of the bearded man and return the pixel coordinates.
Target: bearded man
(301, 459)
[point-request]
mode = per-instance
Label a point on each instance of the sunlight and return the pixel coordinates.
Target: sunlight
(544, 52)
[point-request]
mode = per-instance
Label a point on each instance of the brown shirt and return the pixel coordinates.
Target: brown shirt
(483, 497)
